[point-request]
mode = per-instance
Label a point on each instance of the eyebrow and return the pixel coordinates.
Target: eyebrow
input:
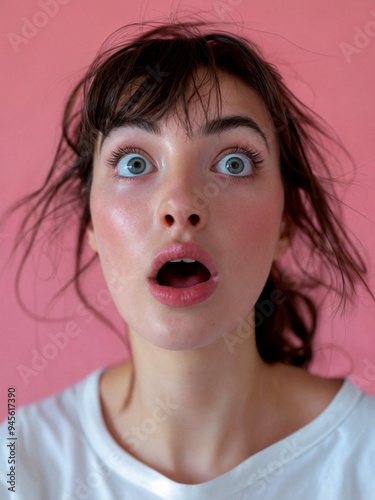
(210, 128)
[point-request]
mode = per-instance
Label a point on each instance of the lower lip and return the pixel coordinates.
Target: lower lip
(180, 297)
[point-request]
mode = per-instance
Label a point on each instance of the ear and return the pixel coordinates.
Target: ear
(91, 237)
(285, 238)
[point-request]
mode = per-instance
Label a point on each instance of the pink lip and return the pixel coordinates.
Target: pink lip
(179, 297)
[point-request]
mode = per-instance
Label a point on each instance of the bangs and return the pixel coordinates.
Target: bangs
(166, 77)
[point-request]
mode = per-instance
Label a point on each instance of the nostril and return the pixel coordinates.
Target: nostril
(194, 219)
(169, 219)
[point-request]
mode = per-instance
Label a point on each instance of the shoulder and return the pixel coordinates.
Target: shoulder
(62, 404)
(332, 454)
(336, 405)
(343, 420)
(332, 457)
(50, 439)
(48, 422)
(359, 424)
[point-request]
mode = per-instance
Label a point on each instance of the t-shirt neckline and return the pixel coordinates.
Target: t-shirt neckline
(243, 475)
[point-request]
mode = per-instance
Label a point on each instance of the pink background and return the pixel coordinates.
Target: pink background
(304, 39)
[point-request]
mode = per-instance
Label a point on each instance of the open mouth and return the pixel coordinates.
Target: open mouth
(182, 273)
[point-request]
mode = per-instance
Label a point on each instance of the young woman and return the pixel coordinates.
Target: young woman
(198, 178)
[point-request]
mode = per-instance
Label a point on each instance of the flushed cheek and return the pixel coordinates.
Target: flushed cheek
(259, 228)
(120, 230)
(253, 234)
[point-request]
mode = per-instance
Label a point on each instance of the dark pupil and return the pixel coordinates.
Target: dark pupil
(136, 165)
(235, 165)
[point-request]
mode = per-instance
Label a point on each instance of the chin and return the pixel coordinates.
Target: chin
(175, 336)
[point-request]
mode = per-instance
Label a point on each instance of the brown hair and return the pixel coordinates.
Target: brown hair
(159, 66)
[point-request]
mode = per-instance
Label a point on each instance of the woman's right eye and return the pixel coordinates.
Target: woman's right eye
(129, 162)
(133, 165)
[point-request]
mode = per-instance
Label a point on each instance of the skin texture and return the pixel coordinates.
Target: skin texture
(225, 399)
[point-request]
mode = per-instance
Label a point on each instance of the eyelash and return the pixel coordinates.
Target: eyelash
(251, 154)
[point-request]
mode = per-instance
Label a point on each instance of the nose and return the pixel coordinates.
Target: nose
(182, 208)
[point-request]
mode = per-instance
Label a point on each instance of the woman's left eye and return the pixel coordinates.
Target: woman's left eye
(240, 163)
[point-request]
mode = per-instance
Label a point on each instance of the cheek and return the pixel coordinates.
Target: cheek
(120, 226)
(256, 221)
(252, 229)
(260, 226)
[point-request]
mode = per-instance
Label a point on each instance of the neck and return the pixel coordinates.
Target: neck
(214, 395)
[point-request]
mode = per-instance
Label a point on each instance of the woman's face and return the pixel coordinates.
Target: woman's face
(174, 189)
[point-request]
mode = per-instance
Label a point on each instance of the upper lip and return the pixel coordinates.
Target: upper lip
(180, 251)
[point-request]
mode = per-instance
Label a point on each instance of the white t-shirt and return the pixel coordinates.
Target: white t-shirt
(65, 452)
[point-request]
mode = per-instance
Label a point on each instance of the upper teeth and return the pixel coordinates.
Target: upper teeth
(183, 260)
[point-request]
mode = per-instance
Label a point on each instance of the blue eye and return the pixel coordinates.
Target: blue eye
(244, 164)
(132, 164)
(129, 162)
(235, 165)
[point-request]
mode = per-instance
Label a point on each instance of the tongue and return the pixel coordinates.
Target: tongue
(182, 275)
